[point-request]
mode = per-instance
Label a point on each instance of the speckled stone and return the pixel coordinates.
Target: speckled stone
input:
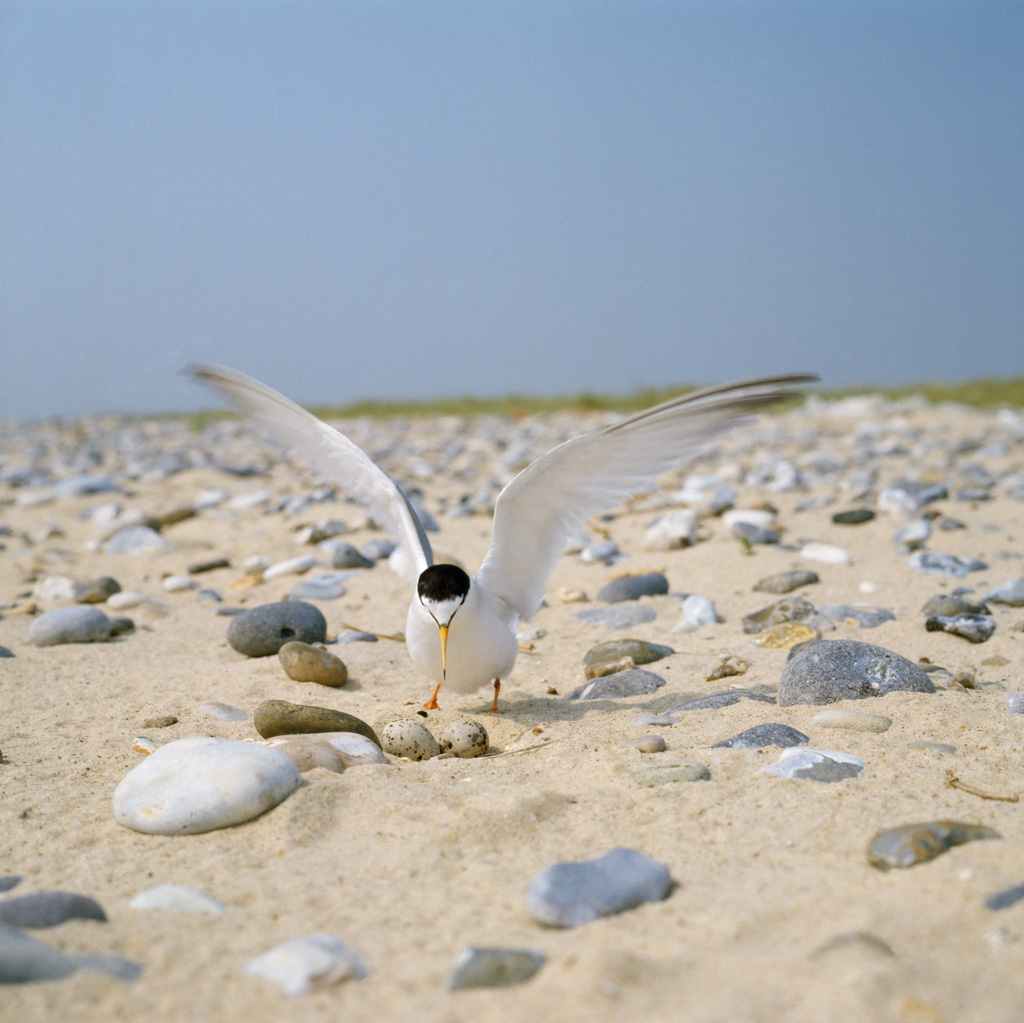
(305, 663)
(792, 609)
(910, 844)
(262, 631)
(570, 894)
(845, 669)
(278, 717)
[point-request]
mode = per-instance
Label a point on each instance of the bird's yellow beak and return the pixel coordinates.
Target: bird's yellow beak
(443, 629)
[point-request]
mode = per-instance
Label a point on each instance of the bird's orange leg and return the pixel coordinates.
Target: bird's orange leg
(431, 704)
(497, 687)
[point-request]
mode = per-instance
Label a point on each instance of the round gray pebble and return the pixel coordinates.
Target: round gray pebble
(262, 631)
(82, 624)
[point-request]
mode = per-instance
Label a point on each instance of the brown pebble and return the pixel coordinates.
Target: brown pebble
(725, 666)
(278, 717)
(208, 566)
(786, 635)
(910, 844)
(608, 667)
(648, 744)
(164, 722)
(303, 662)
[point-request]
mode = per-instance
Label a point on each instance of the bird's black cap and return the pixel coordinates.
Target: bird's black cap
(441, 583)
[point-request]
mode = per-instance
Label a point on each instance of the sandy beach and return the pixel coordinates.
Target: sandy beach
(775, 913)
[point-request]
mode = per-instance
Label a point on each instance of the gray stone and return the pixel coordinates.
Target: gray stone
(494, 967)
(845, 669)
(621, 616)
(375, 550)
(697, 612)
(356, 636)
(570, 894)
(1015, 703)
(853, 517)
(632, 682)
(752, 534)
(5, 652)
(47, 909)
(913, 535)
(976, 628)
(816, 765)
(786, 582)
(633, 587)
(606, 550)
(948, 605)
(344, 555)
(82, 624)
(1005, 898)
(322, 586)
(9, 881)
(910, 844)
(936, 563)
(95, 591)
(24, 959)
(762, 736)
(715, 701)
(1011, 593)
(137, 540)
(262, 631)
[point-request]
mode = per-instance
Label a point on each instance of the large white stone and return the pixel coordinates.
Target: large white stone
(200, 784)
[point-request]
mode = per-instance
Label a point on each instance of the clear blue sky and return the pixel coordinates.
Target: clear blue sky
(356, 199)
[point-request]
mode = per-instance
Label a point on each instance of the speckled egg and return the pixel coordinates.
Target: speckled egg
(464, 738)
(408, 739)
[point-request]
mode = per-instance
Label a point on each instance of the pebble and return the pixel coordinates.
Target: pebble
(179, 583)
(81, 624)
(909, 497)
(758, 518)
(334, 751)
(137, 540)
(47, 909)
(494, 967)
(762, 736)
(910, 844)
(976, 628)
(725, 666)
(786, 582)
(308, 964)
(653, 772)
(633, 587)
(465, 738)
(826, 553)
(755, 534)
(570, 894)
(936, 563)
(161, 722)
(857, 614)
(322, 586)
(816, 765)
(5, 652)
(305, 663)
(605, 551)
(648, 743)
(632, 682)
(913, 535)
(1015, 703)
(143, 744)
(851, 720)
(262, 631)
(697, 611)
(223, 711)
(935, 747)
(715, 701)
(177, 898)
(853, 517)
(24, 959)
(676, 529)
(291, 566)
(608, 667)
(639, 651)
(1011, 593)
(948, 605)
(9, 881)
(344, 555)
(622, 616)
(376, 550)
(845, 669)
(209, 565)
(95, 591)
(200, 784)
(54, 587)
(356, 636)
(278, 717)
(1005, 898)
(792, 609)
(654, 719)
(409, 739)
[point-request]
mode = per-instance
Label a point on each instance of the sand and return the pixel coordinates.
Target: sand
(412, 862)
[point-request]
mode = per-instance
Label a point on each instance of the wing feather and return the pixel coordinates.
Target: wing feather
(550, 500)
(331, 453)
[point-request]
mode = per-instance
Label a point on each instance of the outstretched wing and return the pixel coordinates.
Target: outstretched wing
(550, 500)
(331, 453)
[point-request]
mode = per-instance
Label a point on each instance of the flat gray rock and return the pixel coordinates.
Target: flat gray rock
(494, 967)
(632, 682)
(1011, 593)
(633, 587)
(816, 765)
(570, 894)
(715, 701)
(845, 669)
(865, 617)
(975, 628)
(937, 563)
(262, 631)
(624, 616)
(24, 959)
(786, 582)
(47, 909)
(762, 736)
